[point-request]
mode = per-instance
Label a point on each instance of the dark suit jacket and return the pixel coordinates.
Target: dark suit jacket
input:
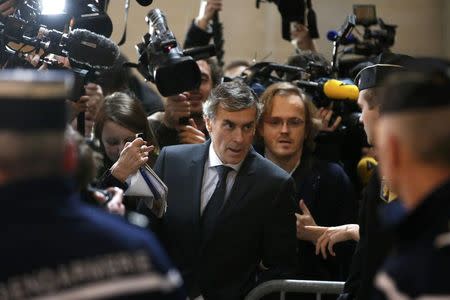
(257, 223)
(329, 195)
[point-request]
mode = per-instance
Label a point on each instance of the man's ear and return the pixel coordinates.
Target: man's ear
(391, 164)
(3, 177)
(70, 157)
(208, 124)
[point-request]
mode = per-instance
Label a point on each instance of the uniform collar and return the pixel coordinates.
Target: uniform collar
(424, 218)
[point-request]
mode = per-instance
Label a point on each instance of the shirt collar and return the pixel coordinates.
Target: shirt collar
(215, 161)
(296, 166)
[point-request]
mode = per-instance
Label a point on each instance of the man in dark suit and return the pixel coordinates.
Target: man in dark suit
(224, 247)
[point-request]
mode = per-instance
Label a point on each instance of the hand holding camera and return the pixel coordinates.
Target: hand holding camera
(207, 10)
(111, 199)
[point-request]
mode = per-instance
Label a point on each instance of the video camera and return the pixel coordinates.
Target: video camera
(23, 32)
(378, 37)
(162, 61)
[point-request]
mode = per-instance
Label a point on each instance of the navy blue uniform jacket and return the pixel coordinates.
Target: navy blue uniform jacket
(54, 245)
(419, 265)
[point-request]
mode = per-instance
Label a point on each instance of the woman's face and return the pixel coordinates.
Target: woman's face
(114, 138)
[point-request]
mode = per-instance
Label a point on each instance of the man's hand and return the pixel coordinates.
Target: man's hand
(115, 205)
(189, 134)
(334, 235)
(205, 15)
(77, 107)
(300, 37)
(305, 219)
(133, 156)
(7, 8)
(94, 99)
(324, 115)
(176, 107)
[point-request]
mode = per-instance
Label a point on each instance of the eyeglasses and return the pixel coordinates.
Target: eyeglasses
(279, 122)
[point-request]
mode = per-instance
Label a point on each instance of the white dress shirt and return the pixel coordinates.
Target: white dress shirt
(211, 177)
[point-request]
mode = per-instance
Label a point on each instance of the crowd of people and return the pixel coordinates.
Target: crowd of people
(208, 193)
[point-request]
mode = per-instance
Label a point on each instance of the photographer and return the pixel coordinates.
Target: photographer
(182, 121)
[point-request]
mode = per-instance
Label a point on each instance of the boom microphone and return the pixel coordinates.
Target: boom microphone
(338, 90)
(331, 88)
(83, 47)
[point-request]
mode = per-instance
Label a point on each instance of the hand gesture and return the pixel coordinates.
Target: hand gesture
(133, 156)
(190, 134)
(325, 114)
(334, 235)
(304, 219)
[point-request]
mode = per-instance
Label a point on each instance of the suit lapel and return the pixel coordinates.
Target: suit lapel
(242, 183)
(196, 170)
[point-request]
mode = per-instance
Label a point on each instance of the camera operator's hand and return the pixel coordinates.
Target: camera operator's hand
(190, 134)
(325, 115)
(206, 15)
(94, 99)
(76, 107)
(133, 156)
(300, 37)
(115, 205)
(8, 7)
(176, 107)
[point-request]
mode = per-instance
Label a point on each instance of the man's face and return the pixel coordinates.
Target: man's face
(232, 133)
(114, 138)
(283, 129)
(369, 116)
(197, 97)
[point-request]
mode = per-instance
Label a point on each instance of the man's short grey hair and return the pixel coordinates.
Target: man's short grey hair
(231, 96)
(31, 155)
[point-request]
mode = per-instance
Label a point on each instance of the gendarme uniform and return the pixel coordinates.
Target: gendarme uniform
(375, 242)
(53, 246)
(419, 265)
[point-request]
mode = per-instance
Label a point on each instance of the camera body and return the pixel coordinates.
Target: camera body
(162, 61)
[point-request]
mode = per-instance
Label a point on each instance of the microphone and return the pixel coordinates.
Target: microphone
(333, 35)
(83, 47)
(338, 90)
(331, 88)
(365, 169)
(144, 2)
